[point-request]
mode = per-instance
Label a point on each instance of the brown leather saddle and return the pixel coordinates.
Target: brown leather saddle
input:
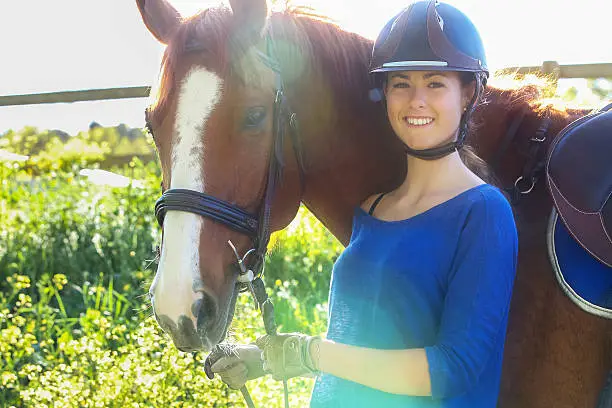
(579, 179)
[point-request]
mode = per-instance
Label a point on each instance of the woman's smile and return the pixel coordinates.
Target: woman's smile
(418, 121)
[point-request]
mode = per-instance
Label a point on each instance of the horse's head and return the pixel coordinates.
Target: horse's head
(212, 123)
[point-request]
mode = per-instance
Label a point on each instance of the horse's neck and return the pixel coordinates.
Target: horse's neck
(354, 156)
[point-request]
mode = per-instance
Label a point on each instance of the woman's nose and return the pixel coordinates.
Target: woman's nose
(417, 98)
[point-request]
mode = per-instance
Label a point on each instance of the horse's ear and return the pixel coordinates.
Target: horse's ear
(160, 17)
(250, 15)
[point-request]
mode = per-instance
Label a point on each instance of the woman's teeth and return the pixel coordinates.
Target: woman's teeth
(418, 121)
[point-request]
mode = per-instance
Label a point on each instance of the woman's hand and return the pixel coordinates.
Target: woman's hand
(289, 355)
(236, 364)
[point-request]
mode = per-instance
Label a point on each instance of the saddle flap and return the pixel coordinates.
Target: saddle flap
(579, 162)
(579, 178)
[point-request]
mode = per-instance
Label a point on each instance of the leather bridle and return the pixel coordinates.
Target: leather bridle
(535, 155)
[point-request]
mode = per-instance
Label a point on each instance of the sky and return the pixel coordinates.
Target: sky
(63, 45)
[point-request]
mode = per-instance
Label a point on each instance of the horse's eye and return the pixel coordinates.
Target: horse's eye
(254, 117)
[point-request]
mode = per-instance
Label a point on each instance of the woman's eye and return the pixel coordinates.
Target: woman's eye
(436, 85)
(400, 85)
(254, 117)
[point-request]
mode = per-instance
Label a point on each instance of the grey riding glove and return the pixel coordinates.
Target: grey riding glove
(236, 364)
(288, 355)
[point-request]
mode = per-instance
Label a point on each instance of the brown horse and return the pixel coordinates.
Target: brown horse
(213, 126)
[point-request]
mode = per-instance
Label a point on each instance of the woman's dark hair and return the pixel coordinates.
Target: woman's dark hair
(466, 152)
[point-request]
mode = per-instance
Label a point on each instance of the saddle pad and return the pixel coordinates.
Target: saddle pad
(585, 280)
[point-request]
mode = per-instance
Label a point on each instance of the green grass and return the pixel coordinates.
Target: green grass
(75, 326)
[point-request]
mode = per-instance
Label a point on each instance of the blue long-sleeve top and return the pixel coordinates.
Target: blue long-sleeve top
(441, 280)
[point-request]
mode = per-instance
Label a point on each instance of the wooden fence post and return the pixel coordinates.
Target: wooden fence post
(553, 70)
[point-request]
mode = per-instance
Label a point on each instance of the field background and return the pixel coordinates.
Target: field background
(76, 259)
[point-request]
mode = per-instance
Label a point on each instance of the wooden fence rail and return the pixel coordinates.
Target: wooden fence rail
(76, 96)
(603, 70)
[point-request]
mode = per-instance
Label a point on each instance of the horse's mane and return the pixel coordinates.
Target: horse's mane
(532, 91)
(339, 56)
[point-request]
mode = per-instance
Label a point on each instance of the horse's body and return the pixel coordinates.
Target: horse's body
(556, 355)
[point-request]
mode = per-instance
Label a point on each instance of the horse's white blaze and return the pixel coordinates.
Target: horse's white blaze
(179, 261)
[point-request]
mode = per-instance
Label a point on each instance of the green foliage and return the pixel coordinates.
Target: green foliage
(602, 87)
(300, 267)
(61, 223)
(112, 361)
(74, 325)
(55, 150)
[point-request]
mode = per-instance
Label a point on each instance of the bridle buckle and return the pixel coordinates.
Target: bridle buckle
(246, 276)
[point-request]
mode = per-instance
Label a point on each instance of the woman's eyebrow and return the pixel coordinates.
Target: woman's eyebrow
(399, 75)
(425, 76)
(432, 74)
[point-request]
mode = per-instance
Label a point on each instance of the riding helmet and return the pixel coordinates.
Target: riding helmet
(431, 36)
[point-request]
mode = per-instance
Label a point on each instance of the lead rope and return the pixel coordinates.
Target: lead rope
(264, 304)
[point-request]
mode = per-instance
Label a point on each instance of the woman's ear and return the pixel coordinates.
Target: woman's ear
(385, 84)
(468, 93)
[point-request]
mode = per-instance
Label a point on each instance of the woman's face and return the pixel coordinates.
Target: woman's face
(425, 107)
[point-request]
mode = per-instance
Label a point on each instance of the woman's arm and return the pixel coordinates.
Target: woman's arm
(395, 371)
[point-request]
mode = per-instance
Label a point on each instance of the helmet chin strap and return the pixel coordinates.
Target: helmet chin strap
(434, 153)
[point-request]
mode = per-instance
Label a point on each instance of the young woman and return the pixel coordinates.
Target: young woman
(419, 299)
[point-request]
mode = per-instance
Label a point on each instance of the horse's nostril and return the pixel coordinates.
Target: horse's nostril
(205, 309)
(209, 306)
(195, 307)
